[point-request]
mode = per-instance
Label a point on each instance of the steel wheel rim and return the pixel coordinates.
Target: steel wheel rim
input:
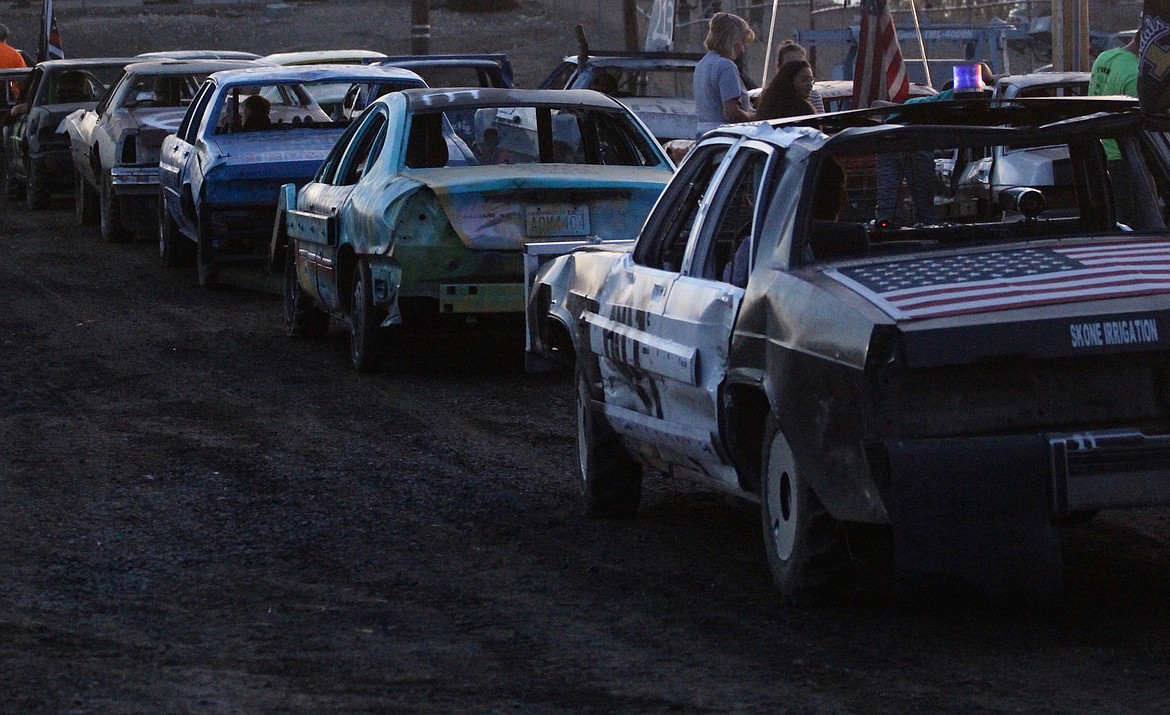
(783, 509)
(582, 434)
(357, 320)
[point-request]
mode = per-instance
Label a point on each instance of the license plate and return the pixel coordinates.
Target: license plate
(557, 220)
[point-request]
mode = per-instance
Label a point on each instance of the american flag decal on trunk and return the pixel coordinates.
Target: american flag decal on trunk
(1002, 280)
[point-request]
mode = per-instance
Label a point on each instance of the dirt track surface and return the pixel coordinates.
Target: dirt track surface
(202, 515)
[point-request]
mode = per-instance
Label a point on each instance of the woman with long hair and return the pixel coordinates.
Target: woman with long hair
(787, 94)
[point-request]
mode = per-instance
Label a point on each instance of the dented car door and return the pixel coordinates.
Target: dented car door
(315, 224)
(665, 317)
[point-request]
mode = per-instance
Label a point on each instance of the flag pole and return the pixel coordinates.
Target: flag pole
(921, 44)
(768, 54)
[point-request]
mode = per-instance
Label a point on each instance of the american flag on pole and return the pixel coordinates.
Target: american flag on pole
(1002, 280)
(879, 72)
(51, 47)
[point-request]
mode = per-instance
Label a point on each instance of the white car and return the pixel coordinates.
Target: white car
(115, 146)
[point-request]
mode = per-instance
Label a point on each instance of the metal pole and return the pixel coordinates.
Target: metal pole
(921, 44)
(768, 54)
(420, 27)
(630, 12)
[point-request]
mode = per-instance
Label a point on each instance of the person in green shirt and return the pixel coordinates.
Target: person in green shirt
(1115, 72)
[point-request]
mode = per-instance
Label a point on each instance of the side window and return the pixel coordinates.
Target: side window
(102, 105)
(670, 223)
(724, 248)
(191, 120)
(560, 78)
(328, 171)
(363, 150)
(32, 86)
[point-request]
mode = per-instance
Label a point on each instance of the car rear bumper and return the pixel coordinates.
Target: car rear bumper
(129, 180)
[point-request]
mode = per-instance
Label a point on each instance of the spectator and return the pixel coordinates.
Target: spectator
(787, 94)
(9, 56)
(1115, 72)
(789, 51)
(720, 94)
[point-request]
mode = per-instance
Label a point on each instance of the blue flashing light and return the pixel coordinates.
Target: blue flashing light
(968, 78)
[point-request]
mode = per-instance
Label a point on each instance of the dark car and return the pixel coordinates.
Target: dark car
(657, 86)
(39, 161)
(972, 378)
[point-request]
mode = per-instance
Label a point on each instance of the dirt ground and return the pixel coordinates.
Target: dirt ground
(202, 515)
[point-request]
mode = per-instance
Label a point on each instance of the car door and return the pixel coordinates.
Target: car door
(15, 144)
(665, 316)
(176, 159)
(325, 218)
(661, 359)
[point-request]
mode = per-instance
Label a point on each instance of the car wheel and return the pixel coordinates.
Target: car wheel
(85, 202)
(36, 192)
(805, 544)
(111, 213)
(301, 318)
(610, 479)
(365, 332)
(205, 257)
(175, 250)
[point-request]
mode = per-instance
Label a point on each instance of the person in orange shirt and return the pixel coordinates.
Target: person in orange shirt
(9, 57)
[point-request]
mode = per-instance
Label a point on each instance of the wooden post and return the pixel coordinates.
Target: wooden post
(630, 14)
(420, 27)
(1070, 36)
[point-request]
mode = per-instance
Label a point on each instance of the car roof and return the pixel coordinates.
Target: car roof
(422, 99)
(161, 67)
(49, 65)
(1041, 79)
(322, 56)
(974, 119)
(313, 73)
(201, 55)
(834, 88)
(640, 59)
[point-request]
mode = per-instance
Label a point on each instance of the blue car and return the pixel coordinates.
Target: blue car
(418, 220)
(246, 133)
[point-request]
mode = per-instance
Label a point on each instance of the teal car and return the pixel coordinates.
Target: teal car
(418, 219)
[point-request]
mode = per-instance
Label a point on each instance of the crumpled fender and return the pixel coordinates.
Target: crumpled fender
(278, 245)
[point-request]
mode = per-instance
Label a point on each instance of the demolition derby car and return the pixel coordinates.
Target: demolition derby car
(37, 154)
(115, 145)
(975, 378)
(246, 133)
(418, 218)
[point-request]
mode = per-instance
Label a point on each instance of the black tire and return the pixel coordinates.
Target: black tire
(175, 249)
(366, 336)
(205, 261)
(610, 479)
(36, 192)
(302, 319)
(805, 545)
(110, 211)
(85, 202)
